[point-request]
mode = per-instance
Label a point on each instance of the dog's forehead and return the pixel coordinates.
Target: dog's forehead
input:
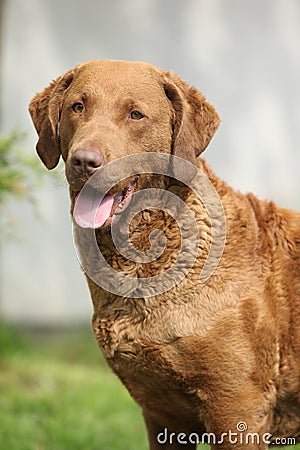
(118, 75)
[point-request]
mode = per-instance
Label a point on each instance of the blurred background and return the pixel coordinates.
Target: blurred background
(243, 56)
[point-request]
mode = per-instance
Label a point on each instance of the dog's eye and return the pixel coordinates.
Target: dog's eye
(78, 107)
(136, 115)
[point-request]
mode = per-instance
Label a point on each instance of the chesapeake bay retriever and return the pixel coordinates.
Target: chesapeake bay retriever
(220, 357)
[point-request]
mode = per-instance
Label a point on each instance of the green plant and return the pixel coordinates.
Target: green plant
(19, 171)
(21, 176)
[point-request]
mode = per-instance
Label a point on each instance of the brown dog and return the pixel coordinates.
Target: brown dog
(220, 357)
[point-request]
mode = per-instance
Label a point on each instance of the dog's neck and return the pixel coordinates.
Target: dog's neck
(168, 244)
(157, 231)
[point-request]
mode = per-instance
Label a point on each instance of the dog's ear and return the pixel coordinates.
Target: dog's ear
(45, 109)
(195, 120)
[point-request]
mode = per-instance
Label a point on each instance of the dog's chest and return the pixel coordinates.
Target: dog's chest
(153, 381)
(133, 328)
(128, 333)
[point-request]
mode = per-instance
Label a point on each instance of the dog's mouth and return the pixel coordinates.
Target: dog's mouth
(89, 212)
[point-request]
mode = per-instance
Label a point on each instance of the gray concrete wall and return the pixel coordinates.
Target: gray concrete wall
(243, 55)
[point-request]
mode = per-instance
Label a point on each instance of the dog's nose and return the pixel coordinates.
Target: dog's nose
(87, 160)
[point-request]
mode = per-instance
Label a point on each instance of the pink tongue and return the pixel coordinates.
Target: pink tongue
(88, 213)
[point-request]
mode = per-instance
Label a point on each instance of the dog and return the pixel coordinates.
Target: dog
(200, 358)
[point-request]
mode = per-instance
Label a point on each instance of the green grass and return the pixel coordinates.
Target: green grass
(57, 393)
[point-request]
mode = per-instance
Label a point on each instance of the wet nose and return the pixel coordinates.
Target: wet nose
(86, 160)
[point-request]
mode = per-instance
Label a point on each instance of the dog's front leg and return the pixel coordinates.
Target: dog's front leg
(226, 431)
(161, 438)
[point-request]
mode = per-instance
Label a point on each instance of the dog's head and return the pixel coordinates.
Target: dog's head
(103, 110)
